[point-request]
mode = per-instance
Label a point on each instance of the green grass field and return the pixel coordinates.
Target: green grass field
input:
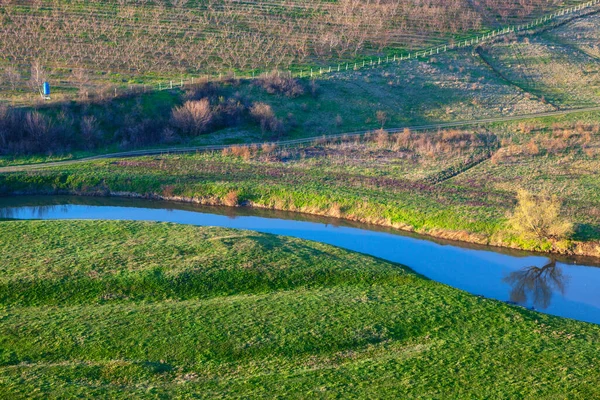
(126, 309)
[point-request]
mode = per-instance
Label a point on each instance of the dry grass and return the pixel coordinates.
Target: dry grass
(231, 199)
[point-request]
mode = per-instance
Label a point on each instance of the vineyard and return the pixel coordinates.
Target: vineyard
(82, 41)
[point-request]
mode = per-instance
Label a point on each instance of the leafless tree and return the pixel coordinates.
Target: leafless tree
(37, 77)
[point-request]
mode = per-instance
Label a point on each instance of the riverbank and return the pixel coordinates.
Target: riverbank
(123, 309)
(452, 184)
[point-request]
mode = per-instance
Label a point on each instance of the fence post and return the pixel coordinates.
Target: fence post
(159, 86)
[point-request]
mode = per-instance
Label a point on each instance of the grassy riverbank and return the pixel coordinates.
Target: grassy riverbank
(122, 309)
(451, 184)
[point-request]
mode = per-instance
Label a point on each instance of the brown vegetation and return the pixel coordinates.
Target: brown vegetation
(231, 199)
(264, 115)
(193, 117)
(277, 83)
(214, 35)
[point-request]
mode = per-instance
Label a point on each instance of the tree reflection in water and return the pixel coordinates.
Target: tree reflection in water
(538, 283)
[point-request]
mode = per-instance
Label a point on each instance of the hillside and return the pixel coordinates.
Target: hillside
(122, 309)
(85, 44)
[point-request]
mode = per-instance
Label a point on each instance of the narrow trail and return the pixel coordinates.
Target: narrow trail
(295, 142)
(481, 53)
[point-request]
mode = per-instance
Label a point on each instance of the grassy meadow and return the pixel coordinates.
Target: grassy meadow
(115, 309)
(128, 309)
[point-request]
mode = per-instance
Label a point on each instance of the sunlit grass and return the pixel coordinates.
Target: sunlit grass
(306, 320)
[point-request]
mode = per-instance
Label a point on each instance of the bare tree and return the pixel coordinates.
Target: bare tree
(382, 117)
(38, 77)
(12, 76)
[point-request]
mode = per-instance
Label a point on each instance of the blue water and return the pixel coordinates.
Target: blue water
(560, 287)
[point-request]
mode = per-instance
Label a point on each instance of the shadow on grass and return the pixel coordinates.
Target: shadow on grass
(586, 232)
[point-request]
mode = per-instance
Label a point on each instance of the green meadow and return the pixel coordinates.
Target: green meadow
(128, 309)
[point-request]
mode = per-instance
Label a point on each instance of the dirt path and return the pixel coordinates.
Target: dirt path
(295, 142)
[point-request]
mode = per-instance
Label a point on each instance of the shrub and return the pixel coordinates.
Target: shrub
(231, 199)
(268, 148)
(264, 115)
(168, 136)
(381, 117)
(228, 112)
(382, 138)
(274, 83)
(240, 151)
(532, 148)
(89, 131)
(538, 217)
(194, 117)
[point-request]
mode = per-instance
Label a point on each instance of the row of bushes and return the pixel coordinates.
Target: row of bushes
(125, 122)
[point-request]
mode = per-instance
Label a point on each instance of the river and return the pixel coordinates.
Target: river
(562, 286)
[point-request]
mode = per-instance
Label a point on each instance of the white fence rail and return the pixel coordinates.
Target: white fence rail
(395, 58)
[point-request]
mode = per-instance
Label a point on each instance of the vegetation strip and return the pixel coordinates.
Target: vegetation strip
(295, 142)
(379, 178)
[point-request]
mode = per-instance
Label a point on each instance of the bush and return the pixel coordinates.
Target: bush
(228, 112)
(382, 138)
(275, 84)
(90, 133)
(231, 199)
(264, 115)
(194, 117)
(538, 217)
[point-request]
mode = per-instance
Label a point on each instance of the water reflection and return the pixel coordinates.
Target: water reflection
(476, 269)
(537, 284)
(40, 212)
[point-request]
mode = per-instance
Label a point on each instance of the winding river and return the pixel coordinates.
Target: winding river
(563, 286)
